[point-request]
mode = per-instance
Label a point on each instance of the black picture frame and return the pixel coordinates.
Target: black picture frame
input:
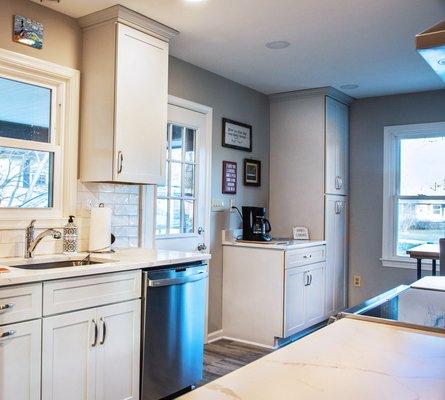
(226, 121)
(249, 169)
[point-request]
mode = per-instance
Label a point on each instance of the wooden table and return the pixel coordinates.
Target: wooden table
(425, 252)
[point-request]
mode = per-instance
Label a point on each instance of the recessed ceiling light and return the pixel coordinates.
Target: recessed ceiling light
(350, 86)
(441, 61)
(277, 44)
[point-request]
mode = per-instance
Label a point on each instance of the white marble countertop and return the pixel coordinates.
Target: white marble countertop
(347, 360)
(122, 260)
(228, 239)
(430, 282)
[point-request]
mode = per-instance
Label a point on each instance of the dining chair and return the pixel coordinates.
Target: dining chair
(442, 256)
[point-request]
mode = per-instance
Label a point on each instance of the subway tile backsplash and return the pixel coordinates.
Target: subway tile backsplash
(122, 199)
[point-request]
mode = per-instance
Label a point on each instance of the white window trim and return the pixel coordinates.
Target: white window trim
(390, 174)
(66, 81)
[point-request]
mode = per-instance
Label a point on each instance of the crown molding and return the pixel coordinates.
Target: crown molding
(131, 18)
(322, 91)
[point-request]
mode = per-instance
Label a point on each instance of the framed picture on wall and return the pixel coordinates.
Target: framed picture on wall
(236, 135)
(252, 172)
(229, 177)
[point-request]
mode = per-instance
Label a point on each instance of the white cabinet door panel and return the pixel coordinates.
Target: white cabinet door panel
(336, 253)
(141, 107)
(315, 294)
(337, 147)
(294, 307)
(119, 351)
(20, 352)
(68, 358)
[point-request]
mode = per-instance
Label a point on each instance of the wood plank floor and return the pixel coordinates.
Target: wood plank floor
(224, 356)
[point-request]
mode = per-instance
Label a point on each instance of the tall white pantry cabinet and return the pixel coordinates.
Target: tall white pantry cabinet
(309, 132)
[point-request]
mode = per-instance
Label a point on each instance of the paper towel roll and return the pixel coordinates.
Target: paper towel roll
(100, 229)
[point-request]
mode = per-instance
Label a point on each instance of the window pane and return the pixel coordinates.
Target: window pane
(25, 178)
(175, 179)
(176, 143)
(175, 216)
(161, 217)
(419, 222)
(189, 145)
(422, 166)
(24, 111)
(189, 180)
(188, 226)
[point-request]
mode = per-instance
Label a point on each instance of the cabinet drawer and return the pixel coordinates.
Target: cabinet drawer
(306, 256)
(91, 291)
(20, 303)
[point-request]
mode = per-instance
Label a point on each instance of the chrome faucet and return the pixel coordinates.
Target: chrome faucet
(31, 241)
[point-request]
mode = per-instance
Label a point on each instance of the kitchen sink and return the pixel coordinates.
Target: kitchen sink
(57, 264)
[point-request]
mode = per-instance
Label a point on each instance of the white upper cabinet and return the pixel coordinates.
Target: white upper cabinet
(337, 147)
(124, 97)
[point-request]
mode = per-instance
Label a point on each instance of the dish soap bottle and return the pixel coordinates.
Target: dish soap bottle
(70, 237)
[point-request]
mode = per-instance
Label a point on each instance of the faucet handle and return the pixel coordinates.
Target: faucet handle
(31, 224)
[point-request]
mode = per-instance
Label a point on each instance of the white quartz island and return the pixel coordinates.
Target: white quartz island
(347, 360)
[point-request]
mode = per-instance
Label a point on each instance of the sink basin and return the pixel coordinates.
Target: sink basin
(57, 264)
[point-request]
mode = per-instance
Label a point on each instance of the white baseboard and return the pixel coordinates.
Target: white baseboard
(214, 336)
(248, 342)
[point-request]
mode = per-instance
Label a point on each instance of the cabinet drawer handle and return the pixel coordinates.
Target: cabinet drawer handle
(307, 256)
(104, 331)
(96, 332)
(120, 159)
(6, 307)
(7, 334)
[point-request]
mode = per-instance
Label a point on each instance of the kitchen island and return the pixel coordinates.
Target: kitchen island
(349, 360)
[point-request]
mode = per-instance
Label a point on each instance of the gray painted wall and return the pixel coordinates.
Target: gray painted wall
(234, 101)
(368, 117)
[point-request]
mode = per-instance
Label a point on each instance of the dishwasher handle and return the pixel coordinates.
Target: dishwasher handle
(177, 281)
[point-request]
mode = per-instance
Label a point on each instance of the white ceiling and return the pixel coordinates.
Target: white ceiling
(333, 42)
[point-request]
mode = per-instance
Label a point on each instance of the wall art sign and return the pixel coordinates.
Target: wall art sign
(28, 32)
(229, 177)
(236, 135)
(252, 172)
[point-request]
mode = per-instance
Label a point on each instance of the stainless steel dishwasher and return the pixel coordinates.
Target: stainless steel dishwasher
(173, 324)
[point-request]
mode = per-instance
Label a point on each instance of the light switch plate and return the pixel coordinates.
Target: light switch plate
(219, 205)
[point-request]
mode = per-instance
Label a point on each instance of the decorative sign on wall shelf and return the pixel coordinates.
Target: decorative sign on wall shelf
(236, 135)
(252, 172)
(229, 177)
(28, 32)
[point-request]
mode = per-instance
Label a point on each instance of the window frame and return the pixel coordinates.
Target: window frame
(391, 184)
(181, 198)
(64, 114)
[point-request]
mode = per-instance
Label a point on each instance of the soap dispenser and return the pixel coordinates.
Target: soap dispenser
(70, 237)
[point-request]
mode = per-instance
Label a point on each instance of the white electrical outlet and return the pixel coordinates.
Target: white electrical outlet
(357, 281)
(231, 204)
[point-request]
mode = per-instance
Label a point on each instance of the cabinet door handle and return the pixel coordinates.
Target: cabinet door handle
(104, 331)
(306, 278)
(120, 161)
(7, 334)
(338, 207)
(6, 307)
(310, 278)
(338, 182)
(96, 332)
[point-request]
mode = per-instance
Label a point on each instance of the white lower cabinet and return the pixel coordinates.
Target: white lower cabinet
(92, 354)
(304, 297)
(20, 347)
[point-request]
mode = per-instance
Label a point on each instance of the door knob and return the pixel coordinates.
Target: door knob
(202, 247)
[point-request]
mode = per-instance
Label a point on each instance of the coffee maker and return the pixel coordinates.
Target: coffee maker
(255, 225)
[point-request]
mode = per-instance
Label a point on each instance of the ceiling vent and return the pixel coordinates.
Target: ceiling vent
(431, 46)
